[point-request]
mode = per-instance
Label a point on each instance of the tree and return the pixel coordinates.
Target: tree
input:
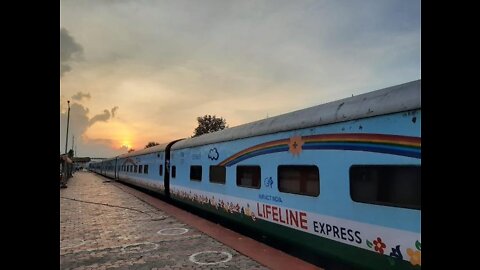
(208, 124)
(131, 150)
(150, 144)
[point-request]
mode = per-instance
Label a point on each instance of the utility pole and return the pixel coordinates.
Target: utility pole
(74, 147)
(68, 122)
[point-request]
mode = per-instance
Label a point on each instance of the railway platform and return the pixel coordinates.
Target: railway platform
(107, 225)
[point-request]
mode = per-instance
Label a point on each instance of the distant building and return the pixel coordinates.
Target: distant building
(80, 162)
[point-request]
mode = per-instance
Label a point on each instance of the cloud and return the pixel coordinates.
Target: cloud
(114, 110)
(69, 51)
(64, 68)
(79, 96)
(237, 48)
(170, 61)
(100, 117)
(78, 126)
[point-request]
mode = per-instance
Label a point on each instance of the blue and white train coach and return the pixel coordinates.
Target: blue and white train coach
(341, 179)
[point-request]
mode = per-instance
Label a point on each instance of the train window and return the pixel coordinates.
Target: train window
(140, 168)
(196, 173)
(135, 167)
(248, 176)
(217, 174)
(299, 179)
(391, 185)
(160, 170)
(145, 169)
(174, 171)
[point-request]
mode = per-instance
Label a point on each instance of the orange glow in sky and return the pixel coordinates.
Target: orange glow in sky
(126, 144)
(137, 77)
(119, 134)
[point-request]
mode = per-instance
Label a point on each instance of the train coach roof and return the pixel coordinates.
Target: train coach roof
(392, 99)
(156, 148)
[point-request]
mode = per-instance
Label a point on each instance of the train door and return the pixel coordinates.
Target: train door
(166, 175)
(115, 169)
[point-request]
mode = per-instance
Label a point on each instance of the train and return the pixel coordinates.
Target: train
(340, 179)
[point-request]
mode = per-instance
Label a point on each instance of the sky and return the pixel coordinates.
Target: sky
(137, 71)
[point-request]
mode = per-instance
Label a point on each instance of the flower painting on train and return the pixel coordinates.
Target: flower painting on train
(229, 207)
(295, 145)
